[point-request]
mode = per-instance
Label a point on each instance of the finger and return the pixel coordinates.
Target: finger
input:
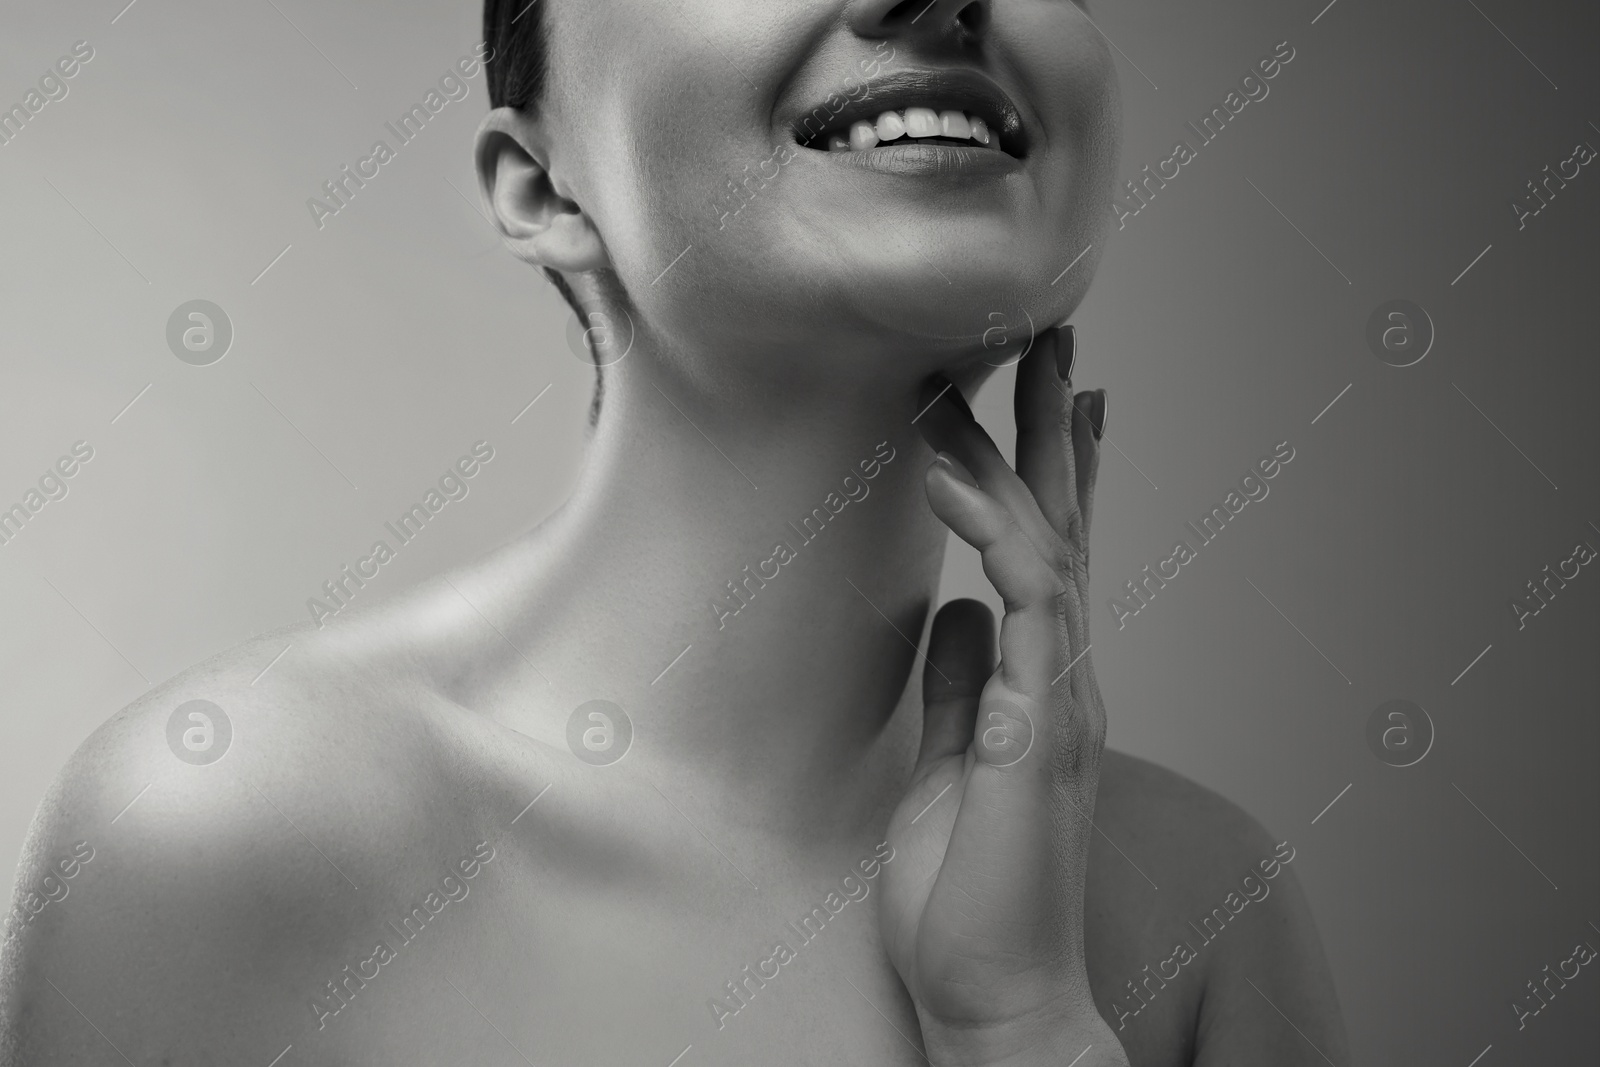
(1021, 806)
(948, 426)
(1089, 415)
(1031, 635)
(960, 661)
(1046, 460)
(1029, 735)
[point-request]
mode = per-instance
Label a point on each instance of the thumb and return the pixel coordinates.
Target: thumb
(961, 658)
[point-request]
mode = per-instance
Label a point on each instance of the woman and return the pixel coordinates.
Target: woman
(790, 227)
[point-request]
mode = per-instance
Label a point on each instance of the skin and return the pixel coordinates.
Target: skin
(792, 741)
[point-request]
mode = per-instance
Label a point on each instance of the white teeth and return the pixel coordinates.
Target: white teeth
(915, 122)
(922, 122)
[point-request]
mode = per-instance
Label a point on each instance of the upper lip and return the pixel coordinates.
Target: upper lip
(961, 89)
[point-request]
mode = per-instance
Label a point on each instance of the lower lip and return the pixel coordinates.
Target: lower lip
(950, 162)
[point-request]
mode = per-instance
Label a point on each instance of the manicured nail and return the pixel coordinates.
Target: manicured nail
(1066, 352)
(955, 468)
(1097, 415)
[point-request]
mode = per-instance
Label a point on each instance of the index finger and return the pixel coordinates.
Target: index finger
(1046, 459)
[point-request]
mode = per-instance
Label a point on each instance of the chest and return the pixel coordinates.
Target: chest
(612, 926)
(686, 956)
(693, 956)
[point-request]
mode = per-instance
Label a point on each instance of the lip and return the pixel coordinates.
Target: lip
(964, 89)
(950, 162)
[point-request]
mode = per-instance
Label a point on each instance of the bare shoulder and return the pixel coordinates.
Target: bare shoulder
(1201, 915)
(209, 840)
(1192, 827)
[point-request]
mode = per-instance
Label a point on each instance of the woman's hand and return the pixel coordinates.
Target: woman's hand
(982, 910)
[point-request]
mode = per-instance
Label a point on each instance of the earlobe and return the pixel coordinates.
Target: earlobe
(542, 226)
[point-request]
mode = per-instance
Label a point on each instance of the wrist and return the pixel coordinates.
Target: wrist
(1094, 1047)
(1080, 1039)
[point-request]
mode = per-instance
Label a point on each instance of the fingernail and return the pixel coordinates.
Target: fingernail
(955, 468)
(1083, 404)
(1097, 415)
(1066, 352)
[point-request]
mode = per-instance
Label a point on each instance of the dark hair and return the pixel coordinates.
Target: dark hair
(517, 66)
(513, 33)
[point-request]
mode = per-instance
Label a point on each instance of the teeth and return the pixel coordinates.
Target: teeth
(914, 122)
(863, 135)
(955, 124)
(922, 122)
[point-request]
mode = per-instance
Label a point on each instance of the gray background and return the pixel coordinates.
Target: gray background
(376, 350)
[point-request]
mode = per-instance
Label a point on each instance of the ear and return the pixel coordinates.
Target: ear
(526, 203)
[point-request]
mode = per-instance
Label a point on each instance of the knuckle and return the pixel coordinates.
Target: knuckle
(1095, 727)
(1083, 743)
(1063, 605)
(1061, 599)
(1068, 556)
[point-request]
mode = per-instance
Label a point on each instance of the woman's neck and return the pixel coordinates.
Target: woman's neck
(746, 578)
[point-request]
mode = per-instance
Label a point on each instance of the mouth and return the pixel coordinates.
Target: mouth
(959, 111)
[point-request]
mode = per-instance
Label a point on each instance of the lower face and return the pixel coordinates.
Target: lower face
(839, 193)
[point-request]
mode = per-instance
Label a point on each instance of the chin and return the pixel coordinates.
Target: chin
(988, 306)
(871, 292)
